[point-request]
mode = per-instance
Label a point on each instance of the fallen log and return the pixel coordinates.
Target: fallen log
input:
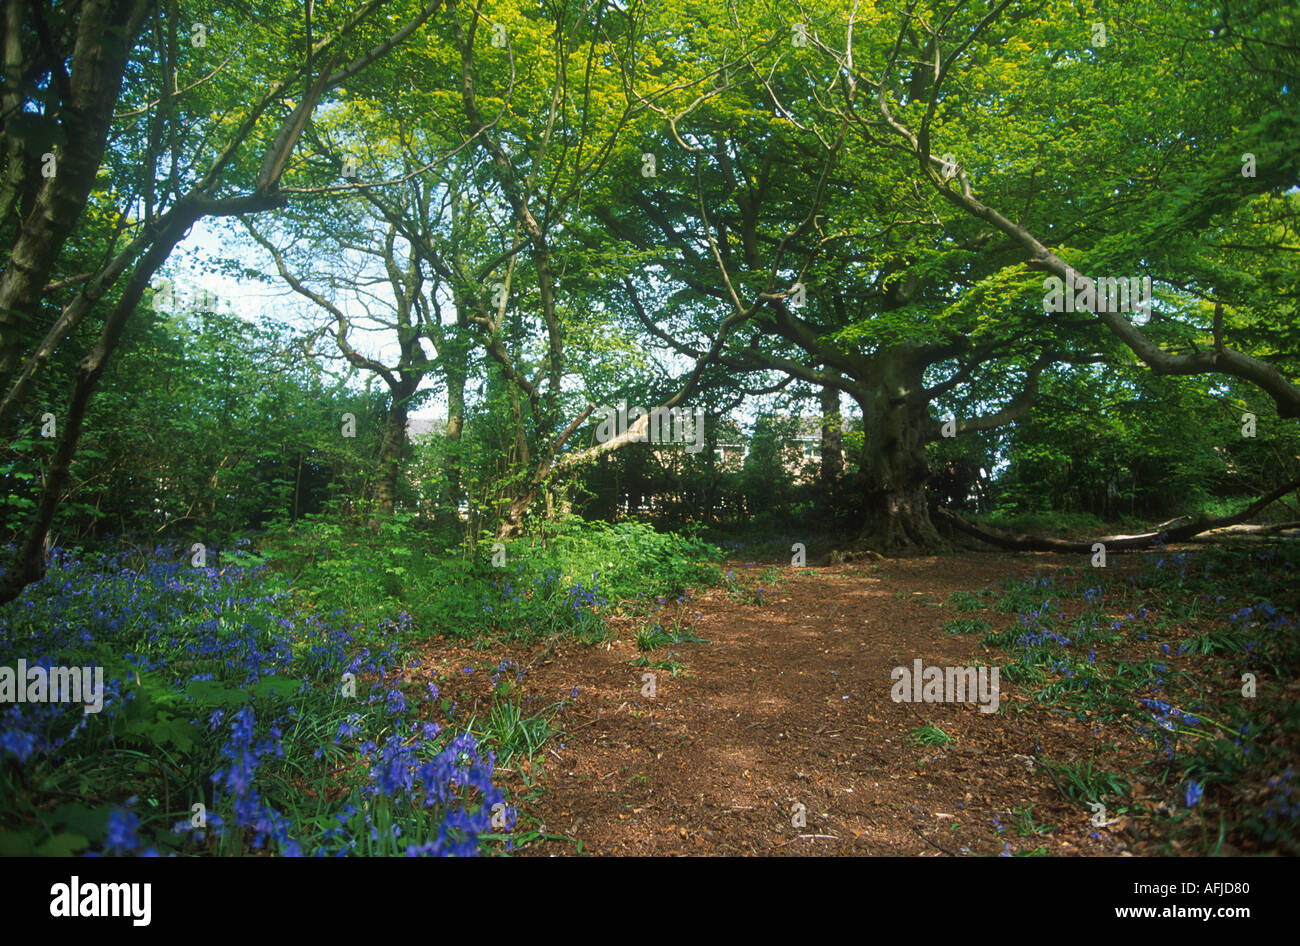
(1176, 530)
(1247, 533)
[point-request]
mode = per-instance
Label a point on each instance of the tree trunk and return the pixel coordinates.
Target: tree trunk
(830, 471)
(512, 523)
(832, 465)
(456, 411)
(28, 564)
(297, 487)
(105, 32)
(455, 374)
(390, 456)
(896, 518)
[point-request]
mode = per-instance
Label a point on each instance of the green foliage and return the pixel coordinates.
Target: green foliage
(1122, 446)
(207, 426)
(1025, 825)
(747, 588)
(204, 427)
(968, 601)
(764, 478)
(669, 663)
(510, 731)
(1086, 781)
(557, 587)
(930, 735)
(652, 637)
(966, 626)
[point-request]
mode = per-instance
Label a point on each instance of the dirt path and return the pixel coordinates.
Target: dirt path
(788, 704)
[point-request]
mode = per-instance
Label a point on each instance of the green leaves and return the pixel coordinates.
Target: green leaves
(275, 688)
(214, 693)
(38, 132)
(63, 845)
(63, 832)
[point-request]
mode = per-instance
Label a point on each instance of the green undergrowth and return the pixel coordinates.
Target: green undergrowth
(526, 590)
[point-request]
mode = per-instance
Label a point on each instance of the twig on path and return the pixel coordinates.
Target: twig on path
(933, 843)
(912, 709)
(598, 718)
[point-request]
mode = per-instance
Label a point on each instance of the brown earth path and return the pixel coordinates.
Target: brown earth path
(788, 704)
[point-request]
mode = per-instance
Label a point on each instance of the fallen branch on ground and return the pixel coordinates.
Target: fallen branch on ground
(1176, 530)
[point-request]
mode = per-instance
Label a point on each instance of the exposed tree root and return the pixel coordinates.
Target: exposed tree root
(1175, 530)
(902, 539)
(854, 553)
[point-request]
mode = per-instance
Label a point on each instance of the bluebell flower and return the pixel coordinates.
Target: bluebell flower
(121, 837)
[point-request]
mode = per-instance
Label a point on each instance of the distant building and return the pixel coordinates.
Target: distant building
(418, 428)
(801, 447)
(800, 439)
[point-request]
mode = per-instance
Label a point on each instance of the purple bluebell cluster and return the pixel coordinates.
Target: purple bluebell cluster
(121, 836)
(580, 596)
(1282, 812)
(199, 647)
(515, 607)
(1168, 717)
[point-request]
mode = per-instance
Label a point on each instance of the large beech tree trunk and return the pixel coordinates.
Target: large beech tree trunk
(896, 517)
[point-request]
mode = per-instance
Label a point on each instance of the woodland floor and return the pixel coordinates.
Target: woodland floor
(788, 703)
